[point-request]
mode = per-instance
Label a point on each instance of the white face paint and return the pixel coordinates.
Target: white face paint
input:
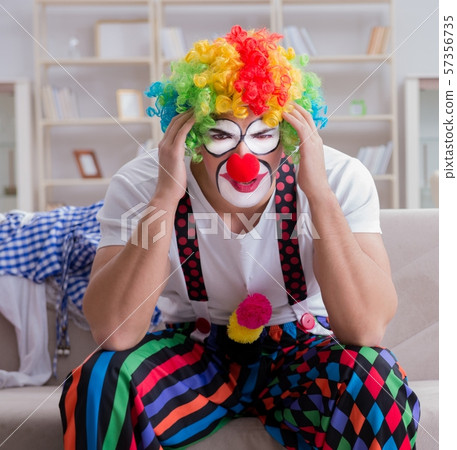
(244, 195)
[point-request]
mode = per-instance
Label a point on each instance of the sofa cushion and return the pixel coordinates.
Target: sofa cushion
(30, 418)
(411, 240)
(246, 433)
(43, 430)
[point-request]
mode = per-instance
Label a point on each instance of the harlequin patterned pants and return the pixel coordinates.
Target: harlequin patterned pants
(309, 392)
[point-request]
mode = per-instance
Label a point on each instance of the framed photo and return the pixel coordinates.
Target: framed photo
(129, 104)
(122, 38)
(87, 163)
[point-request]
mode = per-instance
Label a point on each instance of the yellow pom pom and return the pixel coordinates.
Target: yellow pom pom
(241, 334)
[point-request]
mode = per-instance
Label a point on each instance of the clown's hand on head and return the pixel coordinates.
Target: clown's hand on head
(312, 174)
(172, 179)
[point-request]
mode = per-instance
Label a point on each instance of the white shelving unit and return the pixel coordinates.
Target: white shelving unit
(88, 66)
(200, 19)
(220, 16)
(379, 124)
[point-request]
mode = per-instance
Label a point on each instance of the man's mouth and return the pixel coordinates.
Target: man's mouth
(250, 186)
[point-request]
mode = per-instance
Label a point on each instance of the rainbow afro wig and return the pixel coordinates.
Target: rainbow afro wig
(245, 70)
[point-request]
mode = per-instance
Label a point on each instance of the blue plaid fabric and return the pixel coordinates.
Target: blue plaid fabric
(59, 244)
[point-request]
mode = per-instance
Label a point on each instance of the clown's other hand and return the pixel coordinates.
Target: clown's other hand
(172, 169)
(312, 176)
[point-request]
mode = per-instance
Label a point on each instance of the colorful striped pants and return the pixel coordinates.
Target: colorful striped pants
(170, 391)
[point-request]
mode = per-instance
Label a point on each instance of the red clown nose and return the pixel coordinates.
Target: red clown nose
(243, 169)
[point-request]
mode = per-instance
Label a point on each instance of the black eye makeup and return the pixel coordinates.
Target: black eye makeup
(226, 135)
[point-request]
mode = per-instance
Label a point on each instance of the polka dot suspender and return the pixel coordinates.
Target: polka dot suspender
(286, 215)
(294, 277)
(188, 250)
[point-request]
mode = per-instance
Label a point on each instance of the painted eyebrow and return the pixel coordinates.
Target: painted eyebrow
(219, 130)
(228, 133)
(262, 130)
(265, 130)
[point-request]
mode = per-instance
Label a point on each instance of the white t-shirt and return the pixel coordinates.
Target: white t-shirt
(235, 266)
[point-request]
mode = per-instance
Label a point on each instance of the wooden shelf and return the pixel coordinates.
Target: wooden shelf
(95, 121)
(76, 181)
(332, 2)
(92, 2)
(364, 118)
(384, 177)
(93, 61)
(216, 2)
(350, 58)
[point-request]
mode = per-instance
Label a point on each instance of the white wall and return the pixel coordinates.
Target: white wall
(417, 55)
(16, 49)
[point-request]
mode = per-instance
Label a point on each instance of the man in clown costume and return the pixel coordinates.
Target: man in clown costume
(262, 249)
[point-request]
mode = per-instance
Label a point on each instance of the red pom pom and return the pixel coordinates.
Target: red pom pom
(254, 311)
(243, 169)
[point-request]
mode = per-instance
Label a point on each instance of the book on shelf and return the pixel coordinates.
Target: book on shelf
(379, 40)
(59, 103)
(376, 158)
(299, 39)
(173, 42)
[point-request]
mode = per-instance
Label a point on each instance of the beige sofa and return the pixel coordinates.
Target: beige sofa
(29, 417)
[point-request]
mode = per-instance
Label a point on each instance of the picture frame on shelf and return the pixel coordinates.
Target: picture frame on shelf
(122, 39)
(129, 104)
(87, 163)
